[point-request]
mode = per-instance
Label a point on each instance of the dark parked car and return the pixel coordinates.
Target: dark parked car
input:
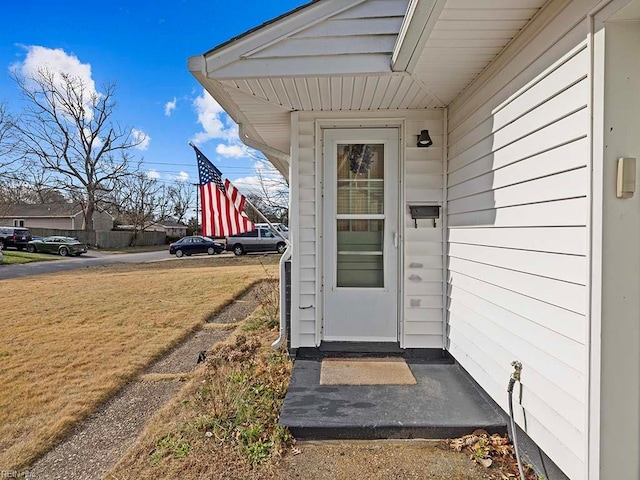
(16, 237)
(258, 240)
(195, 244)
(63, 246)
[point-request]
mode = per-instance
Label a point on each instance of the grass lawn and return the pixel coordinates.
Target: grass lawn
(70, 340)
(16, 256)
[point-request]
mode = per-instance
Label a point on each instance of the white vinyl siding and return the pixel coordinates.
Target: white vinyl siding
(303, 231)
(517, 199)
(422, 277)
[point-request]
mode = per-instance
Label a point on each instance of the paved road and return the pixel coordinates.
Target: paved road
(91, 259)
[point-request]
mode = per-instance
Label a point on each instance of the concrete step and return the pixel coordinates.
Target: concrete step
(445, 403)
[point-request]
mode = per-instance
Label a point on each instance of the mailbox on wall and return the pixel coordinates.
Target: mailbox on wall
(419, 212)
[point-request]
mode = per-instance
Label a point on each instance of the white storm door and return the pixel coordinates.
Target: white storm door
(360, 235)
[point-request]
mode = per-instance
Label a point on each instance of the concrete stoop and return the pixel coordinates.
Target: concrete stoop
(443, 404)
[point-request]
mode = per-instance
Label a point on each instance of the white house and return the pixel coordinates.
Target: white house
(534, 253)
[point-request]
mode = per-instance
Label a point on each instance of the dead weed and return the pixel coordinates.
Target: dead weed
(492, 451)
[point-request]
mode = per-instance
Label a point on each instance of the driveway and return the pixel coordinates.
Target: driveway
(91, 259)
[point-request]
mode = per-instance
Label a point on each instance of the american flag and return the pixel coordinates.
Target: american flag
(222, 203)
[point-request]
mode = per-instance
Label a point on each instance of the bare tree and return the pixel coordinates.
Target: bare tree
(67, 129)
(7, 137)
(269, 194)
(8, 151)
(181, 198)
(142, 202)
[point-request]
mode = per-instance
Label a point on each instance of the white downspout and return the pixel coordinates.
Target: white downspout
(283, 299)
(284, 157)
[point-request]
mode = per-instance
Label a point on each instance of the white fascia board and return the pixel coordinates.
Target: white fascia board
(217, 91)
(331, 65)
(419, 21)
(272, 33)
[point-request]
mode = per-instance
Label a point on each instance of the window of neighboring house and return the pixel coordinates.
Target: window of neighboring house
(18, 223)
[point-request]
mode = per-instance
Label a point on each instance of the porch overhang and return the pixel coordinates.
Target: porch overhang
(356, 55)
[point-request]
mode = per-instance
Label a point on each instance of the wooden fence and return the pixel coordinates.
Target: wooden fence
(105, 238)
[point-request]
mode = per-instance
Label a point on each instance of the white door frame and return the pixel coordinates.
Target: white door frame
(351, 121)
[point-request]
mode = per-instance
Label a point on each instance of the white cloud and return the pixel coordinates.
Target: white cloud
(272, 181)
(153, 173)
(141, 138)
(170, 107)
(214, 121)
(57, 62)
(182, 176)
(232, 151)
(247, 184)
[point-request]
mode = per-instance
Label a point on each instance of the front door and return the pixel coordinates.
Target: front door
(361, 235)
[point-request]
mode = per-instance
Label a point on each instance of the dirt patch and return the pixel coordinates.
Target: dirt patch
(383, 460)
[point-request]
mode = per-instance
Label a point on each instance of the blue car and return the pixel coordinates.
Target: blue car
(195, 244)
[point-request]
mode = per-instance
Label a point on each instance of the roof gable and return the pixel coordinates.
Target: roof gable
(355, 36)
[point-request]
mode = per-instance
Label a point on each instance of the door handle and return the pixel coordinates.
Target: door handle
(395, 239)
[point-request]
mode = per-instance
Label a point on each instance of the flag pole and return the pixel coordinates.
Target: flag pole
(261, 215)
(197, 185)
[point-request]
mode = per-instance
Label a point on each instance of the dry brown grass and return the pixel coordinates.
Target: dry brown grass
(223, 422)
(70, 340)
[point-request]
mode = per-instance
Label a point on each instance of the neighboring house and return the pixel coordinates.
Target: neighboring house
(171, 227)
(61, 216)
(535, 254)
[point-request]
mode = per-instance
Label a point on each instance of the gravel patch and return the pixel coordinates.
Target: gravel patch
(96, 444)
(240, 308)
(184, 357)
(99, 442)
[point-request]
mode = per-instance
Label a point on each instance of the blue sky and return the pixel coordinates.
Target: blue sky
(143, 46)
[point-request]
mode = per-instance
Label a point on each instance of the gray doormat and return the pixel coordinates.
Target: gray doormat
(366, 371)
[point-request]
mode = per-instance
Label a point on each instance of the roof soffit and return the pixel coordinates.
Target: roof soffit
(237, 111)
(470, 35)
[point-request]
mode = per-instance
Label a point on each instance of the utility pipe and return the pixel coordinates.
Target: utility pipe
(515, 377)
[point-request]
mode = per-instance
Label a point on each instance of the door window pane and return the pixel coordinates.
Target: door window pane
(360, 179)
(360, 259)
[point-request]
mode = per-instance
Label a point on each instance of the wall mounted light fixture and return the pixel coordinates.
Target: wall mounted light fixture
(424, 140)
